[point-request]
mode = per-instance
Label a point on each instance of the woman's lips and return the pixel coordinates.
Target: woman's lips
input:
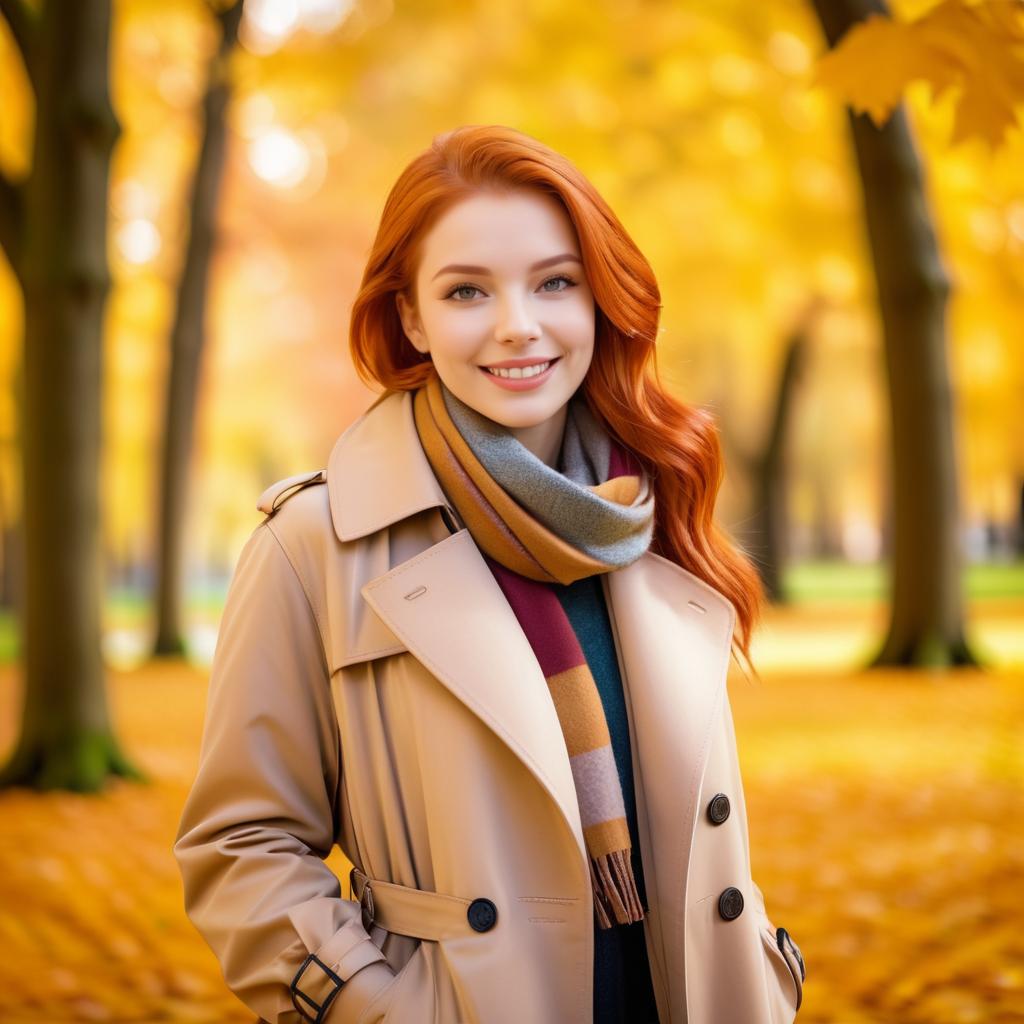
(521, 383)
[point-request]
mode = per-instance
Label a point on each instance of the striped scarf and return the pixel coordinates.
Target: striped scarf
(537, 526)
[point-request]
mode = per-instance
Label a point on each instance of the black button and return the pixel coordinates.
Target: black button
(482, 914)
(730, 903)
(718, 809)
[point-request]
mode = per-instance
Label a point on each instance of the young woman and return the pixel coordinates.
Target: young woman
(484, 651)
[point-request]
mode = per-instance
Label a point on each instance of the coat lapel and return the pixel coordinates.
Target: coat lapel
(448, 610)
(673, 634)
(444, 605)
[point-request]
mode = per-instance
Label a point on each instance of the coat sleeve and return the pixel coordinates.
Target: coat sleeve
(261, 816)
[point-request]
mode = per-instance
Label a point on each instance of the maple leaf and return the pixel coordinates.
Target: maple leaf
(974, 48)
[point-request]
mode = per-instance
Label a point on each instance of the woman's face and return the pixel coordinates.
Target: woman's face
(500, 280)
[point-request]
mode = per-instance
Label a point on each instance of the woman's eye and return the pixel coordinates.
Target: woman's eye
(570, 283)
(560, 277)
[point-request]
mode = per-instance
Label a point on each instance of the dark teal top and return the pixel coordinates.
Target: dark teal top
(623, 992)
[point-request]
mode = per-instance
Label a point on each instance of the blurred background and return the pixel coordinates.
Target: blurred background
(831, 193)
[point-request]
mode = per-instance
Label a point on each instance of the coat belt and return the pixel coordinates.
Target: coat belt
(416, 912)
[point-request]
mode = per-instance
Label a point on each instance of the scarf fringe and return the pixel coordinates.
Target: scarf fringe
(615, 892)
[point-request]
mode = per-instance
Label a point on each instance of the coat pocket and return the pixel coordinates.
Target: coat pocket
(409, 999)
(788, 971)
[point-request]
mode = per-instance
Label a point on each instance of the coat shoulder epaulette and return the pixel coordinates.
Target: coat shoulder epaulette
(278, 493)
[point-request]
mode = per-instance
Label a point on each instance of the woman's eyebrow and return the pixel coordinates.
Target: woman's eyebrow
(466, 268)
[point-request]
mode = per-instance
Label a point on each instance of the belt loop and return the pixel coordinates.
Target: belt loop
(365, 896)
(366, 903)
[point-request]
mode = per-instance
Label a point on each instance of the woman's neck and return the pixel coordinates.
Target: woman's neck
(544, 439)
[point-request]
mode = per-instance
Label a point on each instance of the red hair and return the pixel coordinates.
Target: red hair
(677, 444)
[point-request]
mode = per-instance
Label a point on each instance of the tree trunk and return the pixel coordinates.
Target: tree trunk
(926, 626)
(826, 539)
(59, 247)
(770, 519)
(187, 336)
(1018, 533)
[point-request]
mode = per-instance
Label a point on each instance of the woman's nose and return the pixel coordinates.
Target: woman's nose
(516, 321)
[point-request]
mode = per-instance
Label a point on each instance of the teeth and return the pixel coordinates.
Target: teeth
(516, 372)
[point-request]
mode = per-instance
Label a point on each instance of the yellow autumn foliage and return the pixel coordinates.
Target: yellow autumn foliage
(699, 123)
(975, 49)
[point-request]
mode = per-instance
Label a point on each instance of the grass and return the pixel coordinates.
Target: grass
(847, 601)
(846, 581)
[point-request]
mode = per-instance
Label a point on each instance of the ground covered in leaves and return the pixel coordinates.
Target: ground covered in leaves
(886, 817)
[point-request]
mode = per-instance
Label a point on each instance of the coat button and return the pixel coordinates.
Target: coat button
(718, 808)
(730, 903)
(482, 914)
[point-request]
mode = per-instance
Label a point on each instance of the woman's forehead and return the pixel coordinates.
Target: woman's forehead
(485, 231)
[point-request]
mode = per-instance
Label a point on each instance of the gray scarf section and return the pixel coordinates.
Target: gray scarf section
(560, 498)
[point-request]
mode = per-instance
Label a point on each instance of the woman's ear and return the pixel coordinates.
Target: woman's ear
(411, 323)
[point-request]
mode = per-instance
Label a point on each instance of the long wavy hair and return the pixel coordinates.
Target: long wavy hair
(677, 444)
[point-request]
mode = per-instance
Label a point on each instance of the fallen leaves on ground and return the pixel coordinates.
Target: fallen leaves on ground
(887, 834)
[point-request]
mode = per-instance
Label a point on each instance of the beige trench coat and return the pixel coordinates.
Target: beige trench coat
(371, 687)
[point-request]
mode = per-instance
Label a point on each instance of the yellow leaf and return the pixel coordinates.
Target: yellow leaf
(976, 48)
(871, 65)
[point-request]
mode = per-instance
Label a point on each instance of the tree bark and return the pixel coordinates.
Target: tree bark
(926, 626)
(60, 255)
(187, 342)
(1018, 540)
(770, 519)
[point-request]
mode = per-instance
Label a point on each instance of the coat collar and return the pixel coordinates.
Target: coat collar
(378, 473)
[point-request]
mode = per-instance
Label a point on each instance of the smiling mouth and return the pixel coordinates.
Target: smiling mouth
(520, 372)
